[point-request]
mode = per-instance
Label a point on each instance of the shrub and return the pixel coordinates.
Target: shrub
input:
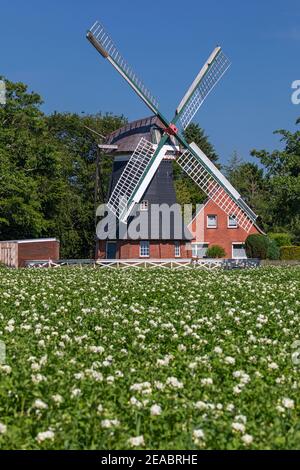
(281, 239)
(257, 246)
(273, 251)
(290, 253)
(215, 251)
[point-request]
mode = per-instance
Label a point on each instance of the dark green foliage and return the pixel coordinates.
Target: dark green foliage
(215, 252)
(262, 247)
(273, 252)
(281, 239)
(257, 246)
(47, 172)
(194, 133)
(282, 182)
(290, 253)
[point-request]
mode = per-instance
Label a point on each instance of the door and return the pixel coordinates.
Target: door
(111, 250)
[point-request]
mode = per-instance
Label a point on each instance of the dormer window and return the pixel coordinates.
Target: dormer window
(232, 221)
(144, 206)
(212, 221)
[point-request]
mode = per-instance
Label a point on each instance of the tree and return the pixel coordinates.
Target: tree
(249, 180)
(283, 182)
(194, 133)
(47, 172)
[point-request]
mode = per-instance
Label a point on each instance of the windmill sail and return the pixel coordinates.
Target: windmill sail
(204, 173)
(135, 178)
(145, 160)
(106, 47)
(204, 83)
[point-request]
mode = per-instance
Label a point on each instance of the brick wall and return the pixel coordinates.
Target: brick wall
(131, 250)
(38, 251)
(222, 235)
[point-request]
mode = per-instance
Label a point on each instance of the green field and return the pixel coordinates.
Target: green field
(113, 359)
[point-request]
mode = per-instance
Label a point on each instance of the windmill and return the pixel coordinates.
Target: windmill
(147, 157)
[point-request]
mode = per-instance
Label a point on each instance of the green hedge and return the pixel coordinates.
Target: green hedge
(215, 252)
(260, 246)
(290, 253)
(281, 239)
(273, 251)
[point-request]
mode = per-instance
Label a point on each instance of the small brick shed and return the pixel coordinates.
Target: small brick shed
(15, 253)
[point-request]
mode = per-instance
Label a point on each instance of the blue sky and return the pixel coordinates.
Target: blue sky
(42, 43)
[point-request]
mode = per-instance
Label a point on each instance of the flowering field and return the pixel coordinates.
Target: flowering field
(109, 359)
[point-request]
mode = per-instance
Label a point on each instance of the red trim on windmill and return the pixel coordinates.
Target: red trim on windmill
(171, 130)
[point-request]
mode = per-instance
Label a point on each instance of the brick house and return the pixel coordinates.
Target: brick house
(211, 226)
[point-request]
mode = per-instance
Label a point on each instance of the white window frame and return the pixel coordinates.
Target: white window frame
(198, 243)
(146, 242)
(230, 217)
(144, 206)
(177, 249)
(237, 243)
(207, 221)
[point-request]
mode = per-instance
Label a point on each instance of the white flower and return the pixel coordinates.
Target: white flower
(230, 407)
(273, 366)
(165, 361)
(75, 392)
(3, 428)
(36, 379)
(155, 410)
(99, 409)
(174, 382)
(57, 399)
(109, 423)
(238, 427)
(198, 437)
(198, 434)
(218, 350)
(229, 360)
(40, 404)
(247, 439)
(43, 436)
(200, 405)
(6, 369)
(288, 403)
(206, 382)
(135, 402)
(137, 441)
(96, 349)
(241, 419)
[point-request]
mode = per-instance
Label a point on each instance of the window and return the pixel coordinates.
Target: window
(144, 205)
(239, 251)
(232, 221)
(212, 221)
(144, 249)
(199, 250)
(177, 249)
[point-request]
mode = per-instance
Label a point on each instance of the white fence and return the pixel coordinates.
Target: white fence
(151, 264)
